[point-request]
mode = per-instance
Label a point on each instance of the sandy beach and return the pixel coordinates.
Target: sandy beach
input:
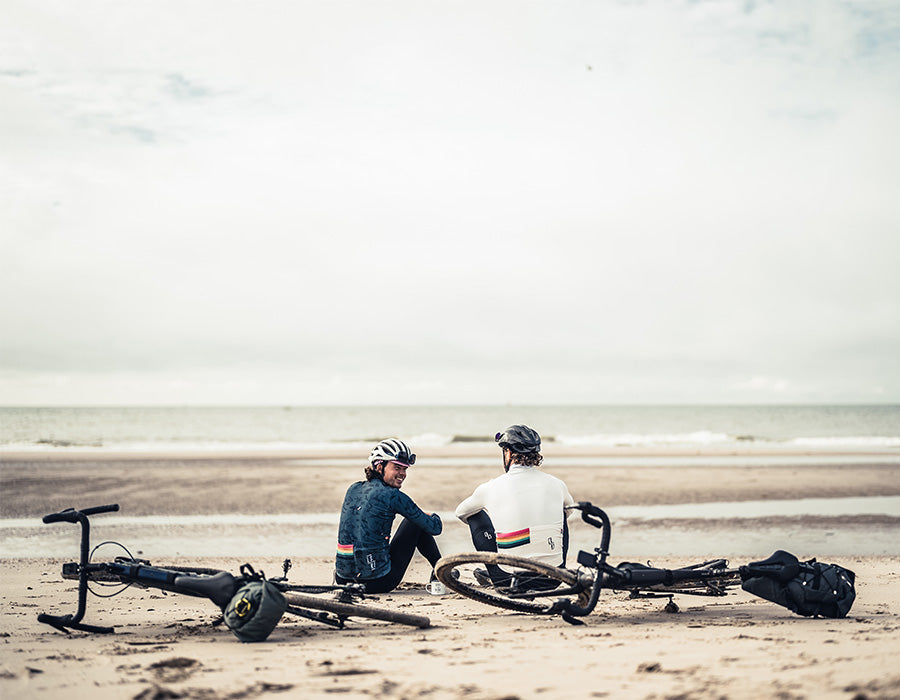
(732, 647)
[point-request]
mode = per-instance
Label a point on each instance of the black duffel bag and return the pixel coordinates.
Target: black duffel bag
(807, 588)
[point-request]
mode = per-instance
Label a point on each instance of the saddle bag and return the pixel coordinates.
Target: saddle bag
(808, 588)
(255, 610)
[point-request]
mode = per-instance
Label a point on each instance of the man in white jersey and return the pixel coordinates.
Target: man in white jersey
(521, 512)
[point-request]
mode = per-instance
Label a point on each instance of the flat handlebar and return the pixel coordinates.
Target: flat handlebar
(598, 518)
(70, 515)
(593, 515)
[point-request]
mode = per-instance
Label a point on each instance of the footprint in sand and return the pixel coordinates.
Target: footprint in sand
(174, 670)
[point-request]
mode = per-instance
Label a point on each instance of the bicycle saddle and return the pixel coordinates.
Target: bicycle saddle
(219, 588)
(781, 566)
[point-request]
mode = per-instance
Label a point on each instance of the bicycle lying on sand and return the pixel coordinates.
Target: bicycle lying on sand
(338, 603)
(524, 585)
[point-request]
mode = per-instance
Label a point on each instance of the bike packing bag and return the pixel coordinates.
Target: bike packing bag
(808, 588)
(255, 610)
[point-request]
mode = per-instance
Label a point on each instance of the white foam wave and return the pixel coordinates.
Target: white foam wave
(848, 441)
(430, 440)
(202, 446)
(700, 437)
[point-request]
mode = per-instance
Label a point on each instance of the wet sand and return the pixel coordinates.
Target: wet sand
(314, 482)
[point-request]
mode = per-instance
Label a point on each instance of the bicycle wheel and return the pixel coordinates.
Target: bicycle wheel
(303, 600)
(711, 585)
(711, 578)
(199, 570)
(535, 585)
(71, 572)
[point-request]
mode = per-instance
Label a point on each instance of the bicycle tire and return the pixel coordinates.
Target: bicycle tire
(109, 577)
(309, 588)
(709, 578)
(303, 600)
(716, 584)
(198, 570)
(573, 585)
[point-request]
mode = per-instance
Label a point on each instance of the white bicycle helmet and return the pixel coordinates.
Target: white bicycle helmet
(392, 450)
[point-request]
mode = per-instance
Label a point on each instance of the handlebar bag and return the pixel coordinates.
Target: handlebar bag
(255, 610)
(813, 589)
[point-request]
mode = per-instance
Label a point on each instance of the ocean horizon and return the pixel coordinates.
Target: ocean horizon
(199, 428)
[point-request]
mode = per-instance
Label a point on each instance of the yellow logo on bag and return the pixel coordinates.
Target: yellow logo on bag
(242, 607)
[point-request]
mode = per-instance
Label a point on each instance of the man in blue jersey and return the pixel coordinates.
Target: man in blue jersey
(365, 552)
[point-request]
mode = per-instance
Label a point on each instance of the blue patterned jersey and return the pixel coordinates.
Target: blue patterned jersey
(364, 535)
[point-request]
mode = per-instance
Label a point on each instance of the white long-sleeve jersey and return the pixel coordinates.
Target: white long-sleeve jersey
(526, 507)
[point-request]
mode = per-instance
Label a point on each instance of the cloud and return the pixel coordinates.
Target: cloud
(300, 200)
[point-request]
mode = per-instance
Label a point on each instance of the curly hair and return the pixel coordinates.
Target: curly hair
(531, 459)
(371, 473)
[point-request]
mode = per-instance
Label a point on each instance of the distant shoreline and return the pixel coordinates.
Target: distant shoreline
(461, 450)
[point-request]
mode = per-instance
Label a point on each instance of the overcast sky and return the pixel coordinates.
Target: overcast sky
(278, 202)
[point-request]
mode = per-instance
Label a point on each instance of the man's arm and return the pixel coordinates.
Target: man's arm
(473, 504)
(406, 507)
(568, 501)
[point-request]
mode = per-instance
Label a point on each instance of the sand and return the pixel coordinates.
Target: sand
(166, 647)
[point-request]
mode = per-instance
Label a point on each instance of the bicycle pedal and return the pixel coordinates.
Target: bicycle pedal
(483, 578)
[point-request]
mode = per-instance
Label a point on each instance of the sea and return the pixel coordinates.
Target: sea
(739, 435)
(61, 429)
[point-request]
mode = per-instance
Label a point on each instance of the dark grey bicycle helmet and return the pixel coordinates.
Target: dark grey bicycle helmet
(520, 439)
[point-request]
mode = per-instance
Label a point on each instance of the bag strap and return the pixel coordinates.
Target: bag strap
(250, 574)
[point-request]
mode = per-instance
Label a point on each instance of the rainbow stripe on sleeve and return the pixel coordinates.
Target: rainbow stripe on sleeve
(345, 550)
(508, 540)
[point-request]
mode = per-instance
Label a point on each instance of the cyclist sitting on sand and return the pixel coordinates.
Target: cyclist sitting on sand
(522, 510)
(365, 552)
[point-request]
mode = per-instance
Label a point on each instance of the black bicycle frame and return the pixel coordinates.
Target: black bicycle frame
(218, 588)
(613, 577)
